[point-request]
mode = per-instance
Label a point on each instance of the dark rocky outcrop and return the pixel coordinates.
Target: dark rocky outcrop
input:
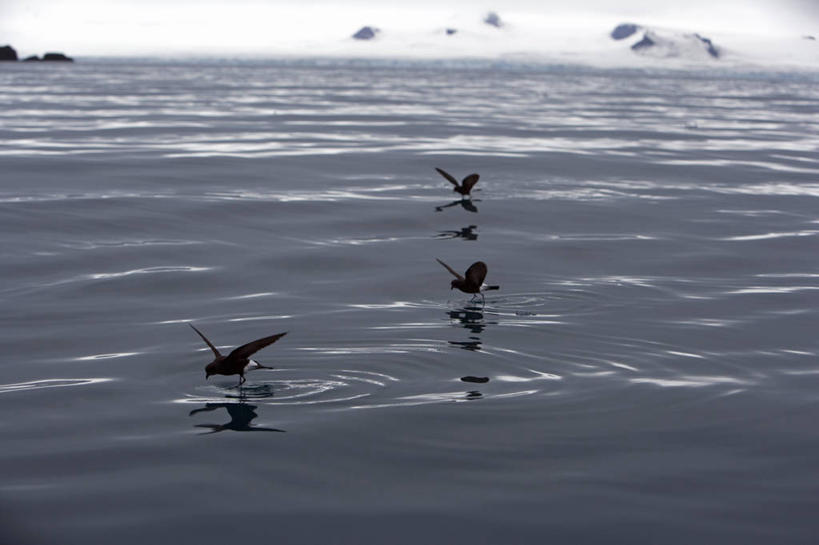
(366, 33)
(645, 43)
(623, 31)
(451, 31)
(57, 57)
(7, 53)
(493, 19)
(673, 45)
(709, 45)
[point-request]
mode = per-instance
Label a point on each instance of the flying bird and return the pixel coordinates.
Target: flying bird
(472, 280)
(238, 361)
(465, 186)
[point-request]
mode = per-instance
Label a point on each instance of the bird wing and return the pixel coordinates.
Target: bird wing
(215, 352)
(476, 273)
(450, 269)
(247, 350)
(448, 176)
(469, 181)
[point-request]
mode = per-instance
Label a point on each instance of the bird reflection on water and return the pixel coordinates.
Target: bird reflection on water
(466, 233)
(472, 345)
(471, 318)
(241, 414)
(467, 205)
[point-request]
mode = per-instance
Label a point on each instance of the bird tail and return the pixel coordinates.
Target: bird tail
(487, 288)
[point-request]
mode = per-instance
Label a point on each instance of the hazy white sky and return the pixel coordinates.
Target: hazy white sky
(237, 26)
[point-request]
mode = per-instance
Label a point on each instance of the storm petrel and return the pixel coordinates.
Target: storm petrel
(472, 280)
(238, 361)
(465, 186)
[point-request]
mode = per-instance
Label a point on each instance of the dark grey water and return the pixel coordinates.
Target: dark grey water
(652, 353)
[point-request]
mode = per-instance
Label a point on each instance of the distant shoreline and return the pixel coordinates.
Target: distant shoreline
(511, 63)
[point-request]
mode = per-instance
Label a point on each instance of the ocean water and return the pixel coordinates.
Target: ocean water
(651, 354)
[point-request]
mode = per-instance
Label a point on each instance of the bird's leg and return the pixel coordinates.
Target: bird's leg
(242, 380)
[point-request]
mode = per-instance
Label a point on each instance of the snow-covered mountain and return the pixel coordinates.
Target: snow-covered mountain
(423, 32)
(540, 40)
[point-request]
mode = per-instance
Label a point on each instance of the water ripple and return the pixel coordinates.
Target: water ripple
(113, 355)
(147, 270)
(765, 236)
(771, 289)
(690, 381)
(51, 383)
(300, 387)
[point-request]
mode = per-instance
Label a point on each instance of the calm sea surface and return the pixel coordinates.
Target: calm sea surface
(651, 355)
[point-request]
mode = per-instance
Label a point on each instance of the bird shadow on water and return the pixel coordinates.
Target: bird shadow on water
(465, 233)
(241, 415)
(467, 204)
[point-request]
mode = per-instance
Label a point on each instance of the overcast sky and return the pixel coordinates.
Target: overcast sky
(150, 26)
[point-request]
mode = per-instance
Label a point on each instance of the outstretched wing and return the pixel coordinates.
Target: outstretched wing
(469, 181)
(448, 176)
(215, 352)
(450, 269)
(476, 273)
(247, 350)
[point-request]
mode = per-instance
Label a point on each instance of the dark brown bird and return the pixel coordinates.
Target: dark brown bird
(472, 280)
(238, 361)
(465, 186)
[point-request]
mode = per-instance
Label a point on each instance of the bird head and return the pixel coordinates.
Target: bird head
(210, 370)
(453, 284)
